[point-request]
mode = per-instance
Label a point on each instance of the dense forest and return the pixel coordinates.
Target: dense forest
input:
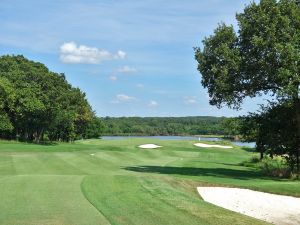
(37, 104)
(166, 126)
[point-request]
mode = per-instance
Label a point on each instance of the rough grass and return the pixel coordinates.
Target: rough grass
(122, 184)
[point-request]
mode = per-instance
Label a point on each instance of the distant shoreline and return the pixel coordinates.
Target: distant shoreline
(179, 135)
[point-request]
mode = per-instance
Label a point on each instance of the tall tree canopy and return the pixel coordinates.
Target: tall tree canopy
(261, 57)
(35, 102)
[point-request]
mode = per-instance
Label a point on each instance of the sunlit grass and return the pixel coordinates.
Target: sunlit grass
(115, 182)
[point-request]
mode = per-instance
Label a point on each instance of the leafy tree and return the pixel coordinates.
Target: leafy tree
(275, 130)
(231, 126)
(94, 128)
(6, 100)
(262, 57)
(36, 101)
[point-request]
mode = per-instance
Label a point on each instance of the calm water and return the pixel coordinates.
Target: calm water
(239, 143)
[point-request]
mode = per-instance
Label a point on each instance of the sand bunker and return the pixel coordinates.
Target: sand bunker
(202, 145)
(277, 209)
(149, 146)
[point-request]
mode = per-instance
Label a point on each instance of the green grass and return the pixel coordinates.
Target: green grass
(121, 184)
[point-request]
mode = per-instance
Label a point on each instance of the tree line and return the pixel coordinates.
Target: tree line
(152, 126)
(37, 104)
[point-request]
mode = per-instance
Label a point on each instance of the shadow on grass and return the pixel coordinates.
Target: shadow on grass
(248, 149)
(47, 143)
(191, 171)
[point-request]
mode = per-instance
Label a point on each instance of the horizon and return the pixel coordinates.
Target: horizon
(158, 116)
(108, 50)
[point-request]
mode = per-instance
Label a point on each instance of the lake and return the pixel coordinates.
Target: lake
(170, 138)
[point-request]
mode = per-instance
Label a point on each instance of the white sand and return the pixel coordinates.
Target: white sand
(202, 145)
(277, 209)
(149, 146)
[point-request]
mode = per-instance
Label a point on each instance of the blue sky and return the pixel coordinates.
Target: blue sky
(131, 57)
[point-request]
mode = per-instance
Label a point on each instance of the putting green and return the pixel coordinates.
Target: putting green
(114, 182)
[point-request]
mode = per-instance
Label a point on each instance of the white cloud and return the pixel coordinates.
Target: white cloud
(127, 69)
(113, 78)
(190, 100)
(123, 98)
(70, 52)
(153, 104)
(121, 54)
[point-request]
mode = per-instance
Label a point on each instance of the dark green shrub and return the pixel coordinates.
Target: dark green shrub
(275, 167)
(255, 159)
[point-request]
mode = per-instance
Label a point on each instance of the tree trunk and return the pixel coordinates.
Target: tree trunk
(297, 105)
(298, 169)
(26, 135)
(17, 134)
(39, 135)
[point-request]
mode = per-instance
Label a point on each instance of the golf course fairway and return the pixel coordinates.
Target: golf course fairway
(115, 182)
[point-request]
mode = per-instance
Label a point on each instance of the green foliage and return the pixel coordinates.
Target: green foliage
(94, 128)
(262, 57)
(37, 102)
(274, 129)
(275, 167)
(164, 126)
(231, 126)
(5, 124)
(254, 159)
(219, 64)
(252, 162)
(7, 98)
